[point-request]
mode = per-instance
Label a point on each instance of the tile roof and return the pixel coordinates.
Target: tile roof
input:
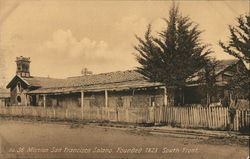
(44, 82)
(103, 78)
(112, 80)
(99, 87)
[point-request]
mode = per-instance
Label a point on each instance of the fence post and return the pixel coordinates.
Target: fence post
(237, 120)
(22, 112)
(54, 111)
(66, 114)
(160, 120)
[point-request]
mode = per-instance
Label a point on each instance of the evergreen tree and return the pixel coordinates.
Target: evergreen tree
(239, 42)
(239, 47)
(175, 54)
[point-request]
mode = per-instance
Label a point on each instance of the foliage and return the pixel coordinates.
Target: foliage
(209, 78)
(239, 47)
(175, 54)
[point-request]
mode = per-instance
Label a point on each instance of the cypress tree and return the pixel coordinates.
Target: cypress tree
(239, 47)
(175, 54)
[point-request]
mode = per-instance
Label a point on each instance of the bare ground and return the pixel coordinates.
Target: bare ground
(25, 139)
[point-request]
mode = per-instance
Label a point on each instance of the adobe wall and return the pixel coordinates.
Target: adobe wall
(121, 99)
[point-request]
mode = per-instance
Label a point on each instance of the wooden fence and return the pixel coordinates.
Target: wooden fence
(218, 118)
(211, 118)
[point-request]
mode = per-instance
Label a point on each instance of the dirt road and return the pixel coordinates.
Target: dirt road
(19, 139)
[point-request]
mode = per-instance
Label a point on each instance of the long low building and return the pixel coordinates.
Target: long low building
(115, 89)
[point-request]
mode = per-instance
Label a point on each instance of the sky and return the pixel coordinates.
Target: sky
(63, 36)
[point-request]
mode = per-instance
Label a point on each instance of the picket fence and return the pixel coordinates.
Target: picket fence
(218, 118)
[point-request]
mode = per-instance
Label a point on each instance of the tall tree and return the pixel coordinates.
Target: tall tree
(238, 44)
(239, 47)
(175, 54)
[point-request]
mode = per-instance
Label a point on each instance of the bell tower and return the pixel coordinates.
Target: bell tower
(23, 66)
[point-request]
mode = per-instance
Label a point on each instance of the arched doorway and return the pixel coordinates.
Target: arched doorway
(19, 100)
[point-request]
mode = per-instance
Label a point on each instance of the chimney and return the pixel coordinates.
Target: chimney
(23, 66)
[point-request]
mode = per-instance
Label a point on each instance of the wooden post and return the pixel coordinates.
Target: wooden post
(44, 100)
(106, 104)
(208, 99)
(131, 101)
(82, 102)
(106, 99)
(165, 97)
(165, 103)
(82, 99)
(26, 100)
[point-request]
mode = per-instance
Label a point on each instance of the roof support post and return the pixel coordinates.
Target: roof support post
(82, 99)
(165, 103)
(26, 100)
(131, 102)
(82, 102)
(44, 100)
(165, 96)
(106, 98)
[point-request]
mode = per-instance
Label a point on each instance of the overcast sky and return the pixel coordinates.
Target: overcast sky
(63, 36)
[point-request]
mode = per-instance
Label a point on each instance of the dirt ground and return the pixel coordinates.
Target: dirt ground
(25, 139)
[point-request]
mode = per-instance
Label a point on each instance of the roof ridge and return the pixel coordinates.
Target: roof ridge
(101, 74)
(44, 77)
(81, 81)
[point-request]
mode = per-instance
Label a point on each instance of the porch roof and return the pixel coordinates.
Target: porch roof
(115, 86)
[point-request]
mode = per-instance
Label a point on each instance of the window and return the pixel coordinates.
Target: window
(24, 67)
(18, 87)
(19, 67)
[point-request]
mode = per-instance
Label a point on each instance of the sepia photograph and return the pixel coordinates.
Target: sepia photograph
(124, 79)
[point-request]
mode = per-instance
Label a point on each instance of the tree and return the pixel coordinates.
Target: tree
(239, 47)
(175, 54)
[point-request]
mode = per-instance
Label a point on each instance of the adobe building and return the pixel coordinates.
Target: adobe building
(124, 89)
